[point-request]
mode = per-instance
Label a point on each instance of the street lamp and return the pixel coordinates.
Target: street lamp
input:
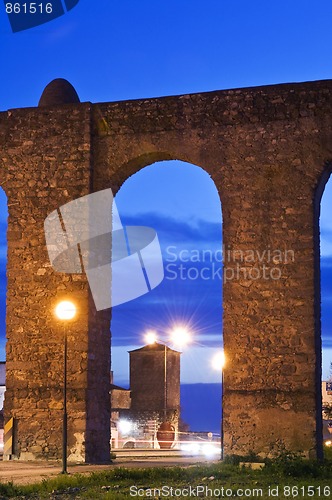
(180, 336)
(65, 311)
(218, 363)
(151, 337)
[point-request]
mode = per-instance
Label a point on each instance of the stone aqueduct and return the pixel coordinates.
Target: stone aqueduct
(269, 152)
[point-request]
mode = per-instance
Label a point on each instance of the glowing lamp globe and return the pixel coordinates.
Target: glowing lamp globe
(65, 310)
(218, 362)
(151, 337)
(180, 336)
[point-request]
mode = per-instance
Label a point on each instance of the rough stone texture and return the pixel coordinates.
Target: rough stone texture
(147, 423)
(120, 398)
(269, 153)
(147, 378)
(45, 162)
(144, 404)
(59, 91)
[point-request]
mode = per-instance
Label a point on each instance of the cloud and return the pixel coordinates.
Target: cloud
(2, 348)
(326, 242)
(327, 343)
(327, 359)
(326, 280)
(184, 299)
(187, 299)
(174, 230)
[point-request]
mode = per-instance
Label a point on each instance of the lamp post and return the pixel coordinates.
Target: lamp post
(165, 383)
(65, 311)
(151, 338)
(178, 336)
(219, 364)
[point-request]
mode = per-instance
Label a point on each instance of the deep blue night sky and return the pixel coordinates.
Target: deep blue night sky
(126, 49)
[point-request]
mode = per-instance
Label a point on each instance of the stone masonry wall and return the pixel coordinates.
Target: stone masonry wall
(269, 153)
(45, 162)
(267, 150)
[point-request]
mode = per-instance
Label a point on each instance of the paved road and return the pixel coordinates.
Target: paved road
(32, 472)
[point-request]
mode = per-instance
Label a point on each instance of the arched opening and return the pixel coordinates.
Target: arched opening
(181, 203)
(326, 311)
(3, 289)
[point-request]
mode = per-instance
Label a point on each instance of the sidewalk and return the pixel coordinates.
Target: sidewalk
(33, 472)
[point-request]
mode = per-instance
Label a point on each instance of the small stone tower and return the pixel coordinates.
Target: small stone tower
(155, 381)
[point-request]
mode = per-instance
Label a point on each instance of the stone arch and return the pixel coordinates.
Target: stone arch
(319, 192)
(134, 165)
(132, 168)
(265, 149)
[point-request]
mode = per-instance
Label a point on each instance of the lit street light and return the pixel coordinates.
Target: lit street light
(150, 337)
(180, 336)
(65, 311)
(218, 363)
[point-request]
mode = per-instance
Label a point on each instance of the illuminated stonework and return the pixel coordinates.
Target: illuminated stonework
(269, 152)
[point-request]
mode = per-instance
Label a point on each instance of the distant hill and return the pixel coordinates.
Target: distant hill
(201, 406)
